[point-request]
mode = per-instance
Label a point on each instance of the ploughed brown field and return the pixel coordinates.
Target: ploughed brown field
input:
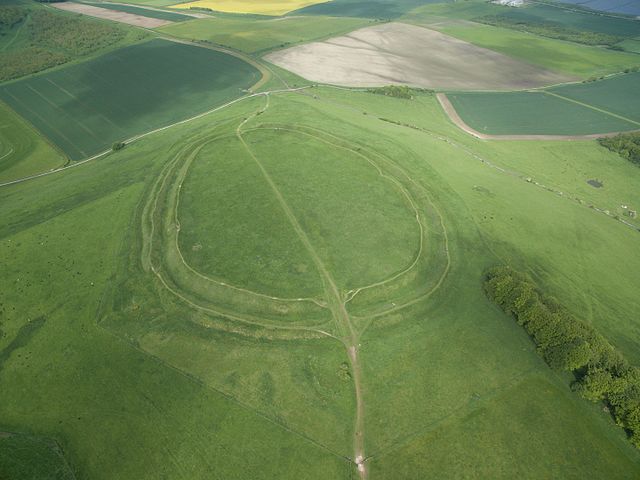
(397, 53)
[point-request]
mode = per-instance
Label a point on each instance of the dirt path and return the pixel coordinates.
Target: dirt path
(455, 118)
(335, 302)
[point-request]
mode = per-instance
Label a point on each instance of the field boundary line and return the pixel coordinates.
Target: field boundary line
(89, 107)
(10, 42)
(398, 185)
(151, 132)
(592, 107)
(216, 281)
(8, 153)
(57, 109)
(517, 174)
(44, 121)
(266, 73)
(455, 118)
(192, 149)
(229, 397)
(419, 187)
(460, 411)
(236, 317)
(335, 303)
(155, 9)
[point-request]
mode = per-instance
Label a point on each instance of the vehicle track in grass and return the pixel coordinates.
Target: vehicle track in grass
(421, 227)
(346, 332)
(335, 302)
(169, 182)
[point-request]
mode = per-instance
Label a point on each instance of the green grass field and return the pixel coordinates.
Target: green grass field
(609, 105)
(23, 151)
(181, 361)
(154, 3)
(618, 26)
(580, 60)
(85, 108)
(619, 95)
(631, 45)
(259, 36)
(22, 456)
(532, 113)
(143, 12)
(291, 286)
(377, 9)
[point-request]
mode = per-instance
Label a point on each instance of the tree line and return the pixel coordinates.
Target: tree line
(551, 30)
(399, 91)
(627, 145)
(601, 373)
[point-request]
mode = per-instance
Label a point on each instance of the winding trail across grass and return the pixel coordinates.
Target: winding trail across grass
(336, 303)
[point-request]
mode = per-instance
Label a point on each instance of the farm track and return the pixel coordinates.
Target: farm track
(453, 115)
(352, 293)
(169, 183)
(336, 303)
(153, 208)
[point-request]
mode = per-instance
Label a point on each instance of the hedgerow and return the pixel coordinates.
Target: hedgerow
(551, 30)
(627, 145)
(566, 343)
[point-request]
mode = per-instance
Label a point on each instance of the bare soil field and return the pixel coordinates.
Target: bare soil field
(397, 53)
(147, 7)
(122, 17)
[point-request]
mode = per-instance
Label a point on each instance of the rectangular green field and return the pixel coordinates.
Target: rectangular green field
(619, 95)
(85, 108)
(619, 26)
(631, 45)
(253, 35)
(532, 113)
(580, 60)
(378, 9)
(23, 151)
(143, 12)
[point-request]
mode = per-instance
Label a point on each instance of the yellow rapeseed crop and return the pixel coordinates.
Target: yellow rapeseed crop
(266, 7)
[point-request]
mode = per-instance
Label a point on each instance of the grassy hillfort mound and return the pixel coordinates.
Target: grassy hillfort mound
(396, 53)
(213, 267)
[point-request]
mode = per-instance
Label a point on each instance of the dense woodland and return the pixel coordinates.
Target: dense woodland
(566, 343)
(627, 145)
(38, 39)
(551, 30)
